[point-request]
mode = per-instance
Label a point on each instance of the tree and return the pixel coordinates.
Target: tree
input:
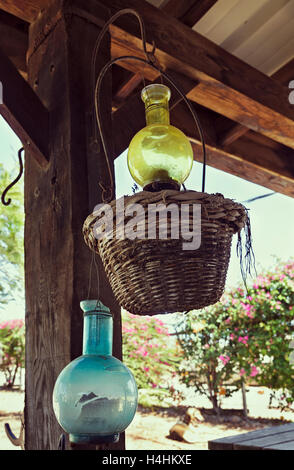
(244, 338)
(266, 318)
(11, 239)
(207, 364)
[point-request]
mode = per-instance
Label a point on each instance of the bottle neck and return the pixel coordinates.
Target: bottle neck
(97, 335)
(157, 113)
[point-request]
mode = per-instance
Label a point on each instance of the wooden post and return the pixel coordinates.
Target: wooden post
(58, 199)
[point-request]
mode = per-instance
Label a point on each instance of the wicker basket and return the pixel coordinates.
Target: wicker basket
(150, 277)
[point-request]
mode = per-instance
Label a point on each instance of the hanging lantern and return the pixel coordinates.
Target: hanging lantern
(159, 153)
(95, 396)
(151, 268)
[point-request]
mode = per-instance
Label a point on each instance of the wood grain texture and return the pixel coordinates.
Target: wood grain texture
(196, 12)
(27, 10)
(188, 12)
(283, 76)
(227, 85)
(272, 438)
(252, 157)
(57, 201)
(14, 39)
(24, 111)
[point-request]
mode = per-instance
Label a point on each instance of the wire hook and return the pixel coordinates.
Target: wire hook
(3, 196)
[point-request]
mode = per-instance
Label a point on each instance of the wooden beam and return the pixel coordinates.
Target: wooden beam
(127, 89)
(14, 39)
(188, 12)
(253, 157)
(283, 76)
(235, 163)
(232, 134)
(228, 85)
(197, 11)
(24, 111)
(27, 10)
(177, 9)
(57, 202)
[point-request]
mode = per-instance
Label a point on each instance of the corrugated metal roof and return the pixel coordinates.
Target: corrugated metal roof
(260, 32)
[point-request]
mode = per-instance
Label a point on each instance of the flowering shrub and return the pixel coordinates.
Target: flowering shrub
(266, 318)
(208, 361)
(244, 338)
(150, 352)
(12, 349)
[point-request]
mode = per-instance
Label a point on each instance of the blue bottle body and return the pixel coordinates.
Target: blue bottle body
(95, 396)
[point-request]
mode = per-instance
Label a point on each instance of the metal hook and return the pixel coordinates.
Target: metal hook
(16, 441)
(6, 203)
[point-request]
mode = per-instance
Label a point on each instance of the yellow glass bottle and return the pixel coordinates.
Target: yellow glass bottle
(159, 153)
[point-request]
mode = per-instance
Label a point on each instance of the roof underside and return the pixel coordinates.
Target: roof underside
(248, 120)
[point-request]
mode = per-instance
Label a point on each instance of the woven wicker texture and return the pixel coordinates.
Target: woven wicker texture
(155, 276)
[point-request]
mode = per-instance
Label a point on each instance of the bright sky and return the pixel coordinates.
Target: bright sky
(272, 218)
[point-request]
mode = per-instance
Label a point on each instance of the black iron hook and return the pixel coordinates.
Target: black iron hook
(6, 203)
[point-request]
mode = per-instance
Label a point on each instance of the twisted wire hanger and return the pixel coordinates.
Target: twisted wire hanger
(3, 196)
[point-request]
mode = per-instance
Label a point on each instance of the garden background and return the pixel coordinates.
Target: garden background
(235, 355)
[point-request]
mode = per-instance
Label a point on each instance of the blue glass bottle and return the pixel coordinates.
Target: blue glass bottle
(95, 396)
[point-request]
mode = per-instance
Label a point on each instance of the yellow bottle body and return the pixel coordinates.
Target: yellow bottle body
(159, 152)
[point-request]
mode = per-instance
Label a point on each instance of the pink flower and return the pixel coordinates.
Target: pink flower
(11, 324)
(228, 320)
(141, 351)
(254, 371)
(224, 359)
(232, 336)
(206, 346)
(243, 339)
(146, 369)
(242, 372)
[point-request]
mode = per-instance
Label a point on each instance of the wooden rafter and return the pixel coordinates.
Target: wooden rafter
(252, 157)
(127, 88)
(14, 39)
(24, 111)
(27, 10)
(188, 12)
(228, 85)
(283, 76)
(223, 84)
